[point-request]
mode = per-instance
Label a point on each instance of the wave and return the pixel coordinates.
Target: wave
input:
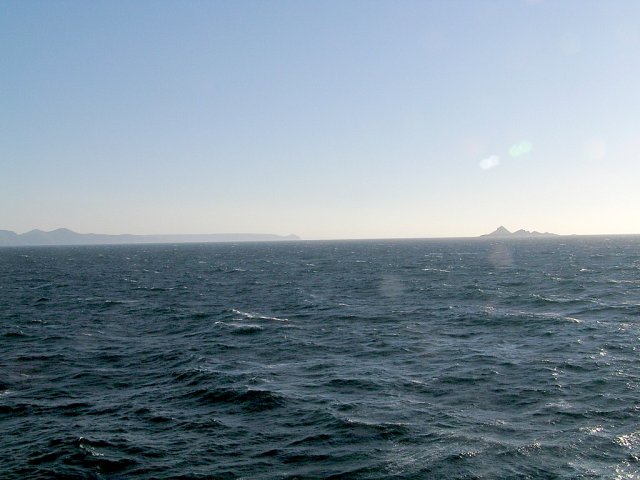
(247, 400)
(99, 456)
(258, 316)
(242, 329)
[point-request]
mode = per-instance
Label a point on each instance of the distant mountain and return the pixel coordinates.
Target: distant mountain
(64, 236)
(502, 232)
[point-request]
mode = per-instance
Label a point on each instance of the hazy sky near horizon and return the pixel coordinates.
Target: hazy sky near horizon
(333, 119)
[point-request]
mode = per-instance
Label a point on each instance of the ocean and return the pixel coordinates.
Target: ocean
(374, 359)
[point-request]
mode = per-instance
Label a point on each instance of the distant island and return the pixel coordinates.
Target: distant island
(502, 232)
(64, 236)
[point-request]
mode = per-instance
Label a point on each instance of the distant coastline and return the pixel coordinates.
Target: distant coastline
(64, 236)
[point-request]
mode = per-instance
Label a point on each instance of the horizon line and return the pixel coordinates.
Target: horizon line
(297, 238)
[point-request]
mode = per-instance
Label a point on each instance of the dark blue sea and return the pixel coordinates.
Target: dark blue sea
(363, 359)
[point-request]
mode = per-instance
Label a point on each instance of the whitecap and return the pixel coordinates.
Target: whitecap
(572, 319)
(258, 316)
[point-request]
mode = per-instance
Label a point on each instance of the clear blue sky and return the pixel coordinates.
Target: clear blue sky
(333, 119)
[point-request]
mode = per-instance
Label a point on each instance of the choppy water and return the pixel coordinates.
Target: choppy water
(376, 359)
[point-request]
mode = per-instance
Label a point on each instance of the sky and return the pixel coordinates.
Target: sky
(331, 119)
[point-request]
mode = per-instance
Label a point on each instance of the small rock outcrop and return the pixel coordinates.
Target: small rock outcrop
(502, 232)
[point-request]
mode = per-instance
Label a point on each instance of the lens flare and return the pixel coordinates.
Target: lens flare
(490, 162)
(520, 149)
